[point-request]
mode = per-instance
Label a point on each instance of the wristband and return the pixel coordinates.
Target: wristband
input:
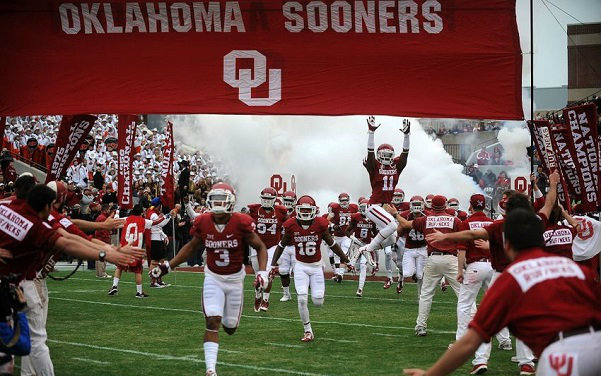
(333, 243)
(370, 140)
(281, 245)
(406, 142)
(166, 263)
(537, 194)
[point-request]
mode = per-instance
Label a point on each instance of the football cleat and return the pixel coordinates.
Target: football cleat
(211, 373)
(163, 284)
(420, 331)
(388, 284)
(258, 301)
(264, 305)
(514, 359)
(479, 369)
(360, 292)
(285, 298)
(141, 295)
(526, 370)
(307, 337)
(338, 278)
(399, 286)
(113, 291)
(376, 267)
(505, 345)
(155, 285)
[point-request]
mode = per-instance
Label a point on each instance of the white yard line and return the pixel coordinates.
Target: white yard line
(336, 340)
(86, 360)
(390, 335)
(188, 358)
(284, 345)
(352, 296)
(249, 316)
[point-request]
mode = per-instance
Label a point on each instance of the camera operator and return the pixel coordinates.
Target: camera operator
(14, 330)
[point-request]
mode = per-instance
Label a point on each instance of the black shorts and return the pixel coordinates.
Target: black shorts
(157, 250)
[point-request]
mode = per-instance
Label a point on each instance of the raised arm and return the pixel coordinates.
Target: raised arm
(402, 161)
(110, 224)
(551, 195)
(370, 160)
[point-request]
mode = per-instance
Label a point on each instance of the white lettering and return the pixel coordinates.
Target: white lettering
(70, 22)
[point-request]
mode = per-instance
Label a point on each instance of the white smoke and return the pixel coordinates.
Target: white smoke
(324, 153)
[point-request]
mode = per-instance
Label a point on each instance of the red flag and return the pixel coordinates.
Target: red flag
(126, 136)
(582, 121)
(563, 145)
(71, 134)
(421, 58)
(166, 183)
(540, 130)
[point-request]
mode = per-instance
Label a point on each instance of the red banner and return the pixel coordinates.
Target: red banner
(166, 182)
(563, 144)
(421, 58)
(541, 134)
(71, 134)
(582, 121)
(127, 135)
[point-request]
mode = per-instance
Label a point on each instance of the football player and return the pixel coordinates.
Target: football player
(361, 230)
(339, 214)
(454, 205)
(416, 254)
(287, 258)
(269, 219)
(306, 232)
(224, 234)
(384, 170)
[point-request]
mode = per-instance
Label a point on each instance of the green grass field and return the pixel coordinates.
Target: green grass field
(91, 333)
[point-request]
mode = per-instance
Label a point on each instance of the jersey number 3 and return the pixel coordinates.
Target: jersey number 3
(224, 257)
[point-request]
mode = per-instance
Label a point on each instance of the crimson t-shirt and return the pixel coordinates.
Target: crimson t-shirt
(442, 222)
(474, 222)
(539, 295)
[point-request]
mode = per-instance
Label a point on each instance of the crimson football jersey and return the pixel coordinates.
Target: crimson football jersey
(413, 238)
(225, 249)
(473, 222)
(133, 230)
(403, 206)
(306, 242)
(269, 223)
(28, 238)
(383, 179)
(342, 217)
(442, 222)
(362, 228)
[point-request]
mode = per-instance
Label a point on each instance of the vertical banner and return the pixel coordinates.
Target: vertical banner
(582, 121)
(126, 136)
(541, 133)
(166, 182)
(71, 134)
(563, 144)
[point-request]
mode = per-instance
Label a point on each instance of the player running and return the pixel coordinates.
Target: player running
(269, 219)
(339, 214)
(415, 254)
(361, 230)
(225, 235)
(287, 259)
(306, 232)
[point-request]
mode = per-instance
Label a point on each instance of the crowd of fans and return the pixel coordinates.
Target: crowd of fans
(92, 177)
(461, 126)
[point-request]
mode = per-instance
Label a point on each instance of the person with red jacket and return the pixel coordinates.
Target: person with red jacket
(548, 301)
(33, 152)
(105, 237)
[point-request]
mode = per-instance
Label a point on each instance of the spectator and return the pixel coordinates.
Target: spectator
(496, 157)
(8, 171)
(474, 173)
(503, 182)
(483, 157)
(33, 152)
(110, 197)
(542, 180)
(489, 178)
(105, 236)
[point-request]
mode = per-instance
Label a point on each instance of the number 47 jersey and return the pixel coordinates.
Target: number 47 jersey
(269, 223)
(307, 241)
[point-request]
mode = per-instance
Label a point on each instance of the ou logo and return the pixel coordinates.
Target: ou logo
(245, 82)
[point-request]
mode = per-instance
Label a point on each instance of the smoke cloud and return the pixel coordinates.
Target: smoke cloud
(324, 153)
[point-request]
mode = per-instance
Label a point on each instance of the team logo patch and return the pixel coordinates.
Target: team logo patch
(563, 364)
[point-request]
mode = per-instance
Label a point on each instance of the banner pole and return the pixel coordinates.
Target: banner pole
(532, 88)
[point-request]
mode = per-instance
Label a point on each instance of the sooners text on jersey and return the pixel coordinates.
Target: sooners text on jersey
(342, 217)
(225, 249)
(269, 223)
(363, 228)
(307, 242)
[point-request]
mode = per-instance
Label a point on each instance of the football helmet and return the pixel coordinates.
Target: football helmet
(289, 199)
(363, 206)
(268, 196)
(398, 196)
(306, 208)
(60, 189)
(453, 203)
(344, 200)
(417, 204)
(221, 198)
(429, 201)
(385, 154)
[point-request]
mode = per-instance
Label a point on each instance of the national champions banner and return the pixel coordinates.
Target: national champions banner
(422, 58)
(167, 185)
(71, 134)
(127, 134)
(582, 122)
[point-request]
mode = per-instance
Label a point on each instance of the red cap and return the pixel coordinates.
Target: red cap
(478, 201)
(439, 203)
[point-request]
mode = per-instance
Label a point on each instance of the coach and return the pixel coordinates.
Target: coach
(549, 302)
